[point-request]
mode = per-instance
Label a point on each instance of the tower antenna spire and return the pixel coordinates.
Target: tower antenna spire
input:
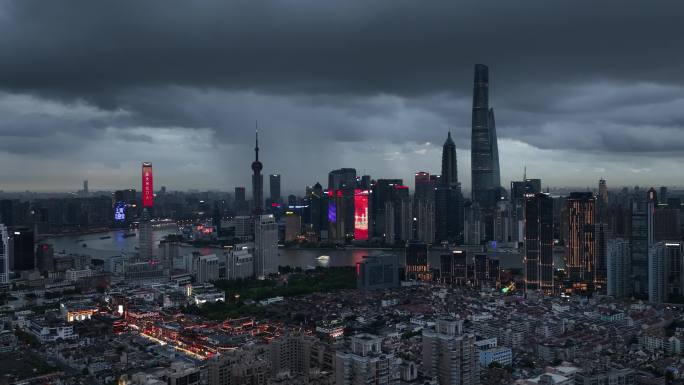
(256, 148)
(524, 172)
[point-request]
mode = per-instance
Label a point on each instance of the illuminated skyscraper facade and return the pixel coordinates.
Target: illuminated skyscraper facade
(145, 228)
(581, 261)
(417, 264)
(147, 185)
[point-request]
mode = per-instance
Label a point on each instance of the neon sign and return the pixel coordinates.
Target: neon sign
(120, 211)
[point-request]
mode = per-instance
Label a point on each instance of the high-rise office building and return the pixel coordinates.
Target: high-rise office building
(145, 240)
(425, 218)
(169, 249)
(405, 216)
(389, 234)
(603, 234)
(662, 197)
(127, 196)
(448, 214)
(240, 262)
(265, 245)
(449, 355)
(453, 267)
(207, 268)
(293, 226)
(486, 270)
(274, 183)
(318, 210)
(518, 191)
(484, 149)
(45, 257)
(639, 246)
(377, 272)
(448, 198)
(417, 263)
(502, 221)
(394, 221)
(365, 363)
(383, 191)
(257, 180)
(425, 186)
(472, 224)
(618, 268)
(667, 223)
(603, 191)
(337, 215)
(538, 230)
(341, 178)
(449, 164)
(665, 274)
(361, 214)
(4, 255)
(240, 206)
(7, 212)
(581, 249)
(22, 249)
(341, 185)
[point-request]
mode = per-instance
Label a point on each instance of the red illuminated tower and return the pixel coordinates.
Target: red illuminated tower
(145, 227)
(147, 185)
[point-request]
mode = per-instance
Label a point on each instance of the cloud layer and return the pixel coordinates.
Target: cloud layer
(581, 90)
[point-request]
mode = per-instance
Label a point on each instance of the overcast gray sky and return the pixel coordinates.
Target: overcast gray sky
(581, 89)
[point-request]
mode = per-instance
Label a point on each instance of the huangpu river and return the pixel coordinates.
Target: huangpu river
(113, 243)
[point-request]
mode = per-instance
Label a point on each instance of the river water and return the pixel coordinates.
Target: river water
(113, 243)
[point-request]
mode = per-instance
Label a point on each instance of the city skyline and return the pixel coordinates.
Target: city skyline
(72, 102)
(317, 192)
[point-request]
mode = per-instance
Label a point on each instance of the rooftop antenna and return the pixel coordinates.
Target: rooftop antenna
(524, 172)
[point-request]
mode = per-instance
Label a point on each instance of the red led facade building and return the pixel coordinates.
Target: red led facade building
(361, 214)
(147, 185)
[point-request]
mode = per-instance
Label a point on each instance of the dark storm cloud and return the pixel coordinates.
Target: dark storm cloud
(601, 79)
(312, 46)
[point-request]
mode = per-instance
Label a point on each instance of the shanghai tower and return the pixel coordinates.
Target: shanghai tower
(484, 150)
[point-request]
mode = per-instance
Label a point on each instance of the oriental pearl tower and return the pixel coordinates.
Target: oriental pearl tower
(257, 180)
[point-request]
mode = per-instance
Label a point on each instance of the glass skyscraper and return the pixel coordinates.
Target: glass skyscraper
(486, 179)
